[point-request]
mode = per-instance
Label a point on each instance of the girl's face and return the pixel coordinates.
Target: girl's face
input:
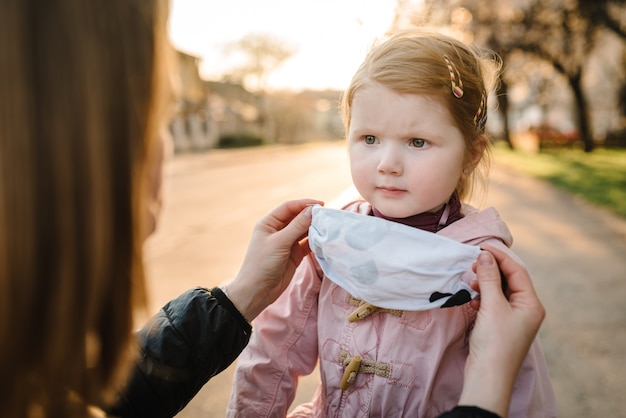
(406, 153)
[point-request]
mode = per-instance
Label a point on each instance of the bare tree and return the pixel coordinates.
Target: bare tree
(560, 32)
(257, 56)
(560, 35)
(610, 14)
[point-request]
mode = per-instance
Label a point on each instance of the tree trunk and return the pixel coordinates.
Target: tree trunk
(503, 107)
(582, 112)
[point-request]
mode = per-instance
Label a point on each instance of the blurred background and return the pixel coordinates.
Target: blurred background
(275, 69)
(256, 123)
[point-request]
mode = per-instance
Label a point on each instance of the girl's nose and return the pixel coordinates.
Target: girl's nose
(390, 160)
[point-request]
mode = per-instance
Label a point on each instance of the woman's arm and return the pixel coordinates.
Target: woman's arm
(200, 333)
(191, 339)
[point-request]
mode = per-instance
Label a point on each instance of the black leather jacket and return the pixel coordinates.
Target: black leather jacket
(190, 340)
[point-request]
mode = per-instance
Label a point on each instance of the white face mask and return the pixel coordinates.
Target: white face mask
(388, 264)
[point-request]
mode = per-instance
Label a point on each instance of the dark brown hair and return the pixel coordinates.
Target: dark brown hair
(82, 87)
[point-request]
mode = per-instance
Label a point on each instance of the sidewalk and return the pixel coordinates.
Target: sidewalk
(577, 255)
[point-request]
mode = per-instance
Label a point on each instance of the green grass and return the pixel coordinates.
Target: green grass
(599, 176)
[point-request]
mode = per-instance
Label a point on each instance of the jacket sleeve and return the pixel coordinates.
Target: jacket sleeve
(190, 340)
(282, 348)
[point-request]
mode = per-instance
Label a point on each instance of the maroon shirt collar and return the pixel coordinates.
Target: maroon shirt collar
(430, 221)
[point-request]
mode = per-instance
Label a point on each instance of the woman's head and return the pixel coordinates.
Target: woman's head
(429, 63)
(83, 87)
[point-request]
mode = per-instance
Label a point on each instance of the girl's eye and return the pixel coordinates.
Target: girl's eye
(369, 139)
(418, 143)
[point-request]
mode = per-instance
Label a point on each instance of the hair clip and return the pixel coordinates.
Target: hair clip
(457, 89)
(480, 118)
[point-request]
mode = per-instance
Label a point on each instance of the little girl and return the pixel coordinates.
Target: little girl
(389, 345)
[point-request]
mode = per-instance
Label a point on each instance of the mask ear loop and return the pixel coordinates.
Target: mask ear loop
(457, 86)
(444, 217)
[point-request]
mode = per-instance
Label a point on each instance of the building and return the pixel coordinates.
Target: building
(192, 127)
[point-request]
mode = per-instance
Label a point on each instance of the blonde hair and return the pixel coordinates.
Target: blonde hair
(83, 87)
(417, 62)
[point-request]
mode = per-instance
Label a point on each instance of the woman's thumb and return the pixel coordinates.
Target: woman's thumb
(488, 274)
(298, 226)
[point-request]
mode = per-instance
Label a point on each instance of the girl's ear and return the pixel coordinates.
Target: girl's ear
(475, 155)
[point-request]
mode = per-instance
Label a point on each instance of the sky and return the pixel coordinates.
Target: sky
(331, 36)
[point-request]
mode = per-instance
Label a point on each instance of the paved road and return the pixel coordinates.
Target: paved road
(577, 254)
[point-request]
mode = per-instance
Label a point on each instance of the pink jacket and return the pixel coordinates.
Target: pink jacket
(411, 362)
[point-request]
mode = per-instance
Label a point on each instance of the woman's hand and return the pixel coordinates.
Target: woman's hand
(276, 248)
(503, 333)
